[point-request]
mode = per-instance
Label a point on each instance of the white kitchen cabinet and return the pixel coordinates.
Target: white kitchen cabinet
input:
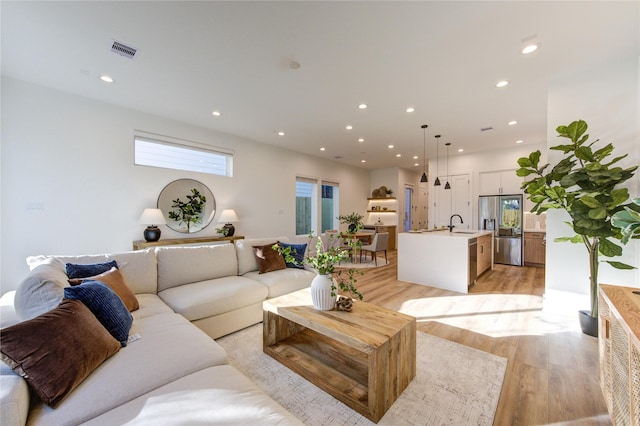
(500, 182)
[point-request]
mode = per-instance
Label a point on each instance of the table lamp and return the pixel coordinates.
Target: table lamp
(152, 217)
(228, 216)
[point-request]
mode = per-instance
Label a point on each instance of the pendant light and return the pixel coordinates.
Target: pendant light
(437, 182)
(424, 154)
(447, 186)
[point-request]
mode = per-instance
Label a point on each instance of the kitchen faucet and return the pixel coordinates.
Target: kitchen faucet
(451, 222)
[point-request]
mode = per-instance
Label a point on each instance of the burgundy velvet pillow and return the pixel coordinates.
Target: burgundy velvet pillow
(268, 258)
(57, 350)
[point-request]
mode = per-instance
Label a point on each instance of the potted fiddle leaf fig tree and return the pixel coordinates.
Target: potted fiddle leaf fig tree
(628, 221)
(588, 185)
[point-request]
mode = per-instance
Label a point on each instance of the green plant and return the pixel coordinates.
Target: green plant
(224, 231)
(628, 221)
(584, 183)
(354, 220)
(189, 212)
(324, 261)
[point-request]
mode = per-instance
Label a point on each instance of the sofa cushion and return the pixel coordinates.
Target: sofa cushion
(150, 304)
(83, 271)
(41, 290)
(138, 268)
(107, 307)
(14, 397)
(246, 258)
(268, 258)
(56, 351)
(185, 265)
(113, 278)
(297, 252)
(284, 281)
(214, 396)
(169, 347)
(212, 297)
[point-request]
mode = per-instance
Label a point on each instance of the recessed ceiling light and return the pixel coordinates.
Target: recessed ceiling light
(461, 150)
(106, 78)
(502, 83)
(410, 109)
(322, 149)
(280, 133)
(519, 141)
(363, 161)
(349, 127)
(512, 123)
(416, 164)
(390, 146)
(216, 113)
(415, 157)
(398, 155)
(530, 48)
(362, 106)
(361, 140)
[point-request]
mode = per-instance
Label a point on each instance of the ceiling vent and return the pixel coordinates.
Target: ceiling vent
(486, 129)
(123, 50)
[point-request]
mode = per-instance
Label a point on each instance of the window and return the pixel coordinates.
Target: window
(330, 210)
(306, 205)
(182, 155)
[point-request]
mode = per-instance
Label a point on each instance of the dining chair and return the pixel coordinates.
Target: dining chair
(378, 244)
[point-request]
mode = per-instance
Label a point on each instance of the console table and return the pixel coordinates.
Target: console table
(141, 244)
(619, 339)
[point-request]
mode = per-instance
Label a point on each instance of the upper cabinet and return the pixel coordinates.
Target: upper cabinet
(500, 182)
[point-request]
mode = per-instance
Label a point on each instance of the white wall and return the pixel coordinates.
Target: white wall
(74, 157)
(475, 163)
(607, 98)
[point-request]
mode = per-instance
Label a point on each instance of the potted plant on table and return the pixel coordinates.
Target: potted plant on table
(586, 184)
(325, 285)
(353, 220)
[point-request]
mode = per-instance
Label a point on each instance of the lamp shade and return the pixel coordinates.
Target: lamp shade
(152, 217)
(228, 216)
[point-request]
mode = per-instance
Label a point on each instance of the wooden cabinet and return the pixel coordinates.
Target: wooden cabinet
(500, 182)
(485, 250)
(534, 248)
(619, 350)
(141, 245)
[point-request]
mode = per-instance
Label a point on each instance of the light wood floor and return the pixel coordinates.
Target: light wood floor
(552, 371)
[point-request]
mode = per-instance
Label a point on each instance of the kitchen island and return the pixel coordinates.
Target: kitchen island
(444, 259)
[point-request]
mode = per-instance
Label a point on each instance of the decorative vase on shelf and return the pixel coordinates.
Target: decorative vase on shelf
(321, 293)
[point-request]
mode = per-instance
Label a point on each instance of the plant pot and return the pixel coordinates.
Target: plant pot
(588, 324)
(352, 228)
(321, 293)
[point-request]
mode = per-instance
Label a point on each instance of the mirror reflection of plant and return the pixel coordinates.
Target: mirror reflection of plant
(325, 260)
(189, 212)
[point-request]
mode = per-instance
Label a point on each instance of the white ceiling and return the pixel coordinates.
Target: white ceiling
(442, 58)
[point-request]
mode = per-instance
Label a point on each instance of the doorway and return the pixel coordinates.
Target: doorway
(456, 200)
(407, 221)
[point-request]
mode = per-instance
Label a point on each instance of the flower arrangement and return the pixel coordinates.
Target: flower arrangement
(325, 260)
(354, 220)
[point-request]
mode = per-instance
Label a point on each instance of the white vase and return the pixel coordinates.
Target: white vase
(321, 293)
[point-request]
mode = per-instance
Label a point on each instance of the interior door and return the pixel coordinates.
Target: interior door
(407, 220)
(452, 201)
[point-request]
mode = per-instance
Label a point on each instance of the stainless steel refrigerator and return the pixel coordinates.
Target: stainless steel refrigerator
(502, 214)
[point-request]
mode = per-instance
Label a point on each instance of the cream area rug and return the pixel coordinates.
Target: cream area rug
(454, 385)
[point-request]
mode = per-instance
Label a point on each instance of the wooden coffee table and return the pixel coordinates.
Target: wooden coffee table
(364, 358)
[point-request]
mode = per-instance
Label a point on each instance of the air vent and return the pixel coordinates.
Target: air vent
(123, 50)
(486, 129)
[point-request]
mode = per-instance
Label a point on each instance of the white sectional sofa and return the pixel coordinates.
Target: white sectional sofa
(174, 373)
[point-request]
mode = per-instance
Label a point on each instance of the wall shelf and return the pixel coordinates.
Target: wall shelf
(382, 199)
(381, 211)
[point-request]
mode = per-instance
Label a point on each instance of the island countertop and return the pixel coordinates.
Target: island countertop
(439, 258)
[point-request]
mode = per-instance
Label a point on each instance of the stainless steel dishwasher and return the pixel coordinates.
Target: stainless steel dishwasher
(473, 260)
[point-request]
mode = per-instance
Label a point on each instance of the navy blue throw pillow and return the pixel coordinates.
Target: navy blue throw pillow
(106, 305)
(84, 271)
(297, 252)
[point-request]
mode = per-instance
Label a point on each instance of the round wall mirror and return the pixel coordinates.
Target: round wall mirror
(187, 205)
